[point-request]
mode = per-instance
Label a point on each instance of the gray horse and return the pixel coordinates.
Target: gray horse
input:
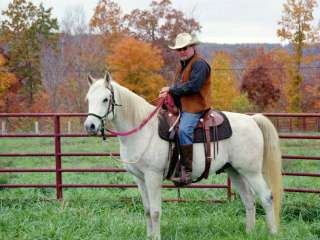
(252, 152)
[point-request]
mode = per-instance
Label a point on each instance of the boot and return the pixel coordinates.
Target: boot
(186, 166)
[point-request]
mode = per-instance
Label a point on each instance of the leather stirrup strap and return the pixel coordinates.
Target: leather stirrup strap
(208, 154)
(173, 158)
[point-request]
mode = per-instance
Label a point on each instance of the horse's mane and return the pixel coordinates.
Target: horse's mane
(137, 108)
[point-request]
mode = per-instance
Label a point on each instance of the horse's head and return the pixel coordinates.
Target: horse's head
(101, 103)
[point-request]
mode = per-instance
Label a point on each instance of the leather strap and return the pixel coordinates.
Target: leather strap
(173, 158)
(208, 153)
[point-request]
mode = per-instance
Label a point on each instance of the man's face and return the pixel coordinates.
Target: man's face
(186, 52)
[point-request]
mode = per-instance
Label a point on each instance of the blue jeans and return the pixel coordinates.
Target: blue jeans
(188, 121)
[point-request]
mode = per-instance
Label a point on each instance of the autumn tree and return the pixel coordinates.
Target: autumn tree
(53, 72)
(64, 68)
(311, 103)
(7, 79)
(278, 63)
(160, 22)
(107, 17)
(159, 25)
(225, 92)
(9, 85)
(311, 89)
(8, 82)
(257, 83)
(108, 21)
(244, 55)
(25, 28)
(136, 65)
(296, 27)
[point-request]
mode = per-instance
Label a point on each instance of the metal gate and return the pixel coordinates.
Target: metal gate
(58, 154)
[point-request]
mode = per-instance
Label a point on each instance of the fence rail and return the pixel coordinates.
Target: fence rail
(58, 154)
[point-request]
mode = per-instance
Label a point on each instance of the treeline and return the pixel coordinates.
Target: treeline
(43, 65)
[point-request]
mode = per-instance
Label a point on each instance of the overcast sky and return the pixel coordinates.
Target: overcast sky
(227, 21)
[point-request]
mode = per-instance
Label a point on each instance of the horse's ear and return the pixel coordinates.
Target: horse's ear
(107, 79)
(90, 79)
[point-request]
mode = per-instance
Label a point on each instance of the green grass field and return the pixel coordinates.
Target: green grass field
(118, 213)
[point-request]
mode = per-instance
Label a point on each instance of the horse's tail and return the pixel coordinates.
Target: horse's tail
(271, 161)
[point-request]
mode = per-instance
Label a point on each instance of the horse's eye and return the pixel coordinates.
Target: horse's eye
(105, 100)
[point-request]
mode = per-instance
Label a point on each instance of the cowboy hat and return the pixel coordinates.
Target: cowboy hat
(184, 40)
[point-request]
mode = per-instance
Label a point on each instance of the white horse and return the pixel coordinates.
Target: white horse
(252, 153)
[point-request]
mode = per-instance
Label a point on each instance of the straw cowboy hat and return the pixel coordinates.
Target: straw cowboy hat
(184, 40)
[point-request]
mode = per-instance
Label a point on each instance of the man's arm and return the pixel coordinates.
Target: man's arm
(199, 74)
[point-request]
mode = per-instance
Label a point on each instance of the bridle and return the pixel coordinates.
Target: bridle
(110, 109)
(112, 104)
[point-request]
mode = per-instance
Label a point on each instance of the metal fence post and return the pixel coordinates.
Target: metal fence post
(57, 151)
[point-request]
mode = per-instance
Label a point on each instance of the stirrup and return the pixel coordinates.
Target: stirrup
(184, 179)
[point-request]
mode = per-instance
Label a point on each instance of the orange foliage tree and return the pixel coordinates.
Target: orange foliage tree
(311, 101)
(107, 17)
(296, 27)
(266, 79)
(25, 27)
(225, 93)
(108, 21)
(257, 83)
(136, 65)
(8, 81)
(159, 24)
(261, 81)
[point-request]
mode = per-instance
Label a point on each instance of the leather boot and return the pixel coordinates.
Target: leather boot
(186, 166)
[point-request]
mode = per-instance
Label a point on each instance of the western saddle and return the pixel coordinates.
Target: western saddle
(168, 125)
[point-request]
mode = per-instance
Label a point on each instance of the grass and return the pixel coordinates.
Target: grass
(118, 213)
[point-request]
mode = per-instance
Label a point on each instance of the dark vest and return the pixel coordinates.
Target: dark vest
(200, 101)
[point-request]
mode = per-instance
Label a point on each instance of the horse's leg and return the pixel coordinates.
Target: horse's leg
(153, 186)
(246, 195)
(260, 187)
(146, 205)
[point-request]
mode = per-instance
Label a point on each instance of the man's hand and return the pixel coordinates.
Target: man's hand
(164, 92)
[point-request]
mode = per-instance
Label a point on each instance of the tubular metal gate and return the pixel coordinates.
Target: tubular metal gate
(58, 154)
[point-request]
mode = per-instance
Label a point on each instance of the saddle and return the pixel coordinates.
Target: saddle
(212, 127)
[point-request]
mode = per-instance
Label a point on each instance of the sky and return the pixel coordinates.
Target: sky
(227, 21)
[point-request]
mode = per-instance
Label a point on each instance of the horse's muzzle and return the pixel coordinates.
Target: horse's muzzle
(91, 128)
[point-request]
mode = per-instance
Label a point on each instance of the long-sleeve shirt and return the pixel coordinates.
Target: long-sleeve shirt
(199, 74)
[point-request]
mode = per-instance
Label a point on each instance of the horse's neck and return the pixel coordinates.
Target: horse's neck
(133, 109)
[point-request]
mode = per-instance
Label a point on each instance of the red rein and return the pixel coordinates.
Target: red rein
(166, 100)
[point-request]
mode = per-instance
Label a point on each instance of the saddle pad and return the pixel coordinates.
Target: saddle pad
(224, 130)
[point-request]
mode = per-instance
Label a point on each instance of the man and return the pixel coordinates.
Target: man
(192, 90)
